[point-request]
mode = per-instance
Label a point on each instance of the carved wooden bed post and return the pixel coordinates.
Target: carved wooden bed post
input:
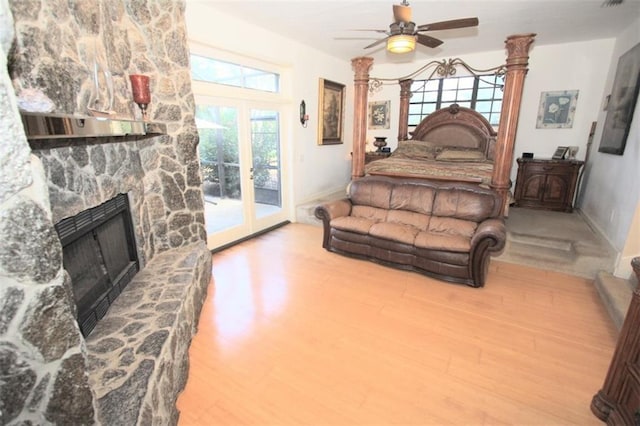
(403, 122)
(517, 62)
(361, 66)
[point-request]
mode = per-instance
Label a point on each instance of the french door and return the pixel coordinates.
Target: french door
(241, 161)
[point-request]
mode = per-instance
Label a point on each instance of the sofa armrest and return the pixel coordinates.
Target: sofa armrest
(490, 236)
(329, 211)
(492, 229)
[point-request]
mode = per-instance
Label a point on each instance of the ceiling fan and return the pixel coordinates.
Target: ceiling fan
(403, 33)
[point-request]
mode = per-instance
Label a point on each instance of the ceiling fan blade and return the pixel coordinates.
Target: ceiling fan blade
(364, 29)
(428, 40)
(448, 25)
(355, 38)
(382, 40)
(401, 13)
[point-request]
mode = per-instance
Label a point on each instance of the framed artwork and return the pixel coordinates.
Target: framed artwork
(622, 103)
(379, 114)
(331, 112)
(556, 109)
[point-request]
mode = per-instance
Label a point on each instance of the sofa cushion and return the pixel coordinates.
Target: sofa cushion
(415, 198)
(405, 234)
(452, 226)
(359, 225)
(403, 217)
(373, 213)
(441, 241)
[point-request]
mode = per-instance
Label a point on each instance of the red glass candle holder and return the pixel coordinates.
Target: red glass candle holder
(141, 92)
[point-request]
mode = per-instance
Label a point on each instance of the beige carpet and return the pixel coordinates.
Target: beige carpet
(557, 241)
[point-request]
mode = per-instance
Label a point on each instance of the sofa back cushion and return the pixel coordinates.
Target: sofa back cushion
(414, 198)
(386, 193)
(432, 198)
(467, 204)
(371, 192)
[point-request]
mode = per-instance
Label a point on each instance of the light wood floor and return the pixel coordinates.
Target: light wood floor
(293, 334)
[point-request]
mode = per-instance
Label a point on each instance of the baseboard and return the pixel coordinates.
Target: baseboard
(596, 229)
(248, 237)
(323, 194)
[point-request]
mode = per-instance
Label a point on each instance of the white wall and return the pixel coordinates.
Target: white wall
(572, 66)
(612, 182)
(315, 170)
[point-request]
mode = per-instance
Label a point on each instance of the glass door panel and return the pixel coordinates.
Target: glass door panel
(266, 173)
(220, 164)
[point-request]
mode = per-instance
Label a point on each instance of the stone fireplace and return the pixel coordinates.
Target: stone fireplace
(130, 369)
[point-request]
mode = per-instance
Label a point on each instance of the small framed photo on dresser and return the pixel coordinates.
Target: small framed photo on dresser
(560, 153)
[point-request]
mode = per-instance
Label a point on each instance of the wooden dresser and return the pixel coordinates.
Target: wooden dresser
(618, 402)
(546, 184)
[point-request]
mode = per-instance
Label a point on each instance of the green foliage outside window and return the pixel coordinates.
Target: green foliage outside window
(220, 145)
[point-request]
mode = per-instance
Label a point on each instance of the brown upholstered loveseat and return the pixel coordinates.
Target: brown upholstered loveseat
(442, 229)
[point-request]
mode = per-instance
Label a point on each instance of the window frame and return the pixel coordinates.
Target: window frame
(205, 88)
(243, 75)
(439, 103)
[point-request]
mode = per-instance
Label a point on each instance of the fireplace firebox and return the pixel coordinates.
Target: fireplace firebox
(99, 253)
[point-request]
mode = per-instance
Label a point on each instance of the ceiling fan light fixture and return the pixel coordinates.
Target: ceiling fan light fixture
(401, 43)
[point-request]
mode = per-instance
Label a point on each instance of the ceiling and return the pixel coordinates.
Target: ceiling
(320, 23)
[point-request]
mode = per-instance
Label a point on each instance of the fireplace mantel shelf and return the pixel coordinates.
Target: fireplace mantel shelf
(54, 130)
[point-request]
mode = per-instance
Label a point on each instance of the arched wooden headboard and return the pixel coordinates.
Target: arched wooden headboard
(468, 128)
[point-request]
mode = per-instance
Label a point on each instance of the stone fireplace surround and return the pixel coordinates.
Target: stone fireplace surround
(131, 368)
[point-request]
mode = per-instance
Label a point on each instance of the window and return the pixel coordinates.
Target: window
(482, 93)
(216, 71)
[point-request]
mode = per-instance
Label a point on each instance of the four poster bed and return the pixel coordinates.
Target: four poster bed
(455, 143)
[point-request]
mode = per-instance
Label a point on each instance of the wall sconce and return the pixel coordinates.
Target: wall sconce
(304, 117)
(401, 43)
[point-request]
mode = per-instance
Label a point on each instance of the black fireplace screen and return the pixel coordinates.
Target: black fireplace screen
(99, 253)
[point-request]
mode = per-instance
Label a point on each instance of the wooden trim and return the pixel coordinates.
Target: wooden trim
(403, 122)
(517, 62)
(361, 66)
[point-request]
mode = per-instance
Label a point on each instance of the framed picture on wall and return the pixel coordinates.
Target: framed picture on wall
(379, 114)
(556, 109)
(330, 112)
(622, 103)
